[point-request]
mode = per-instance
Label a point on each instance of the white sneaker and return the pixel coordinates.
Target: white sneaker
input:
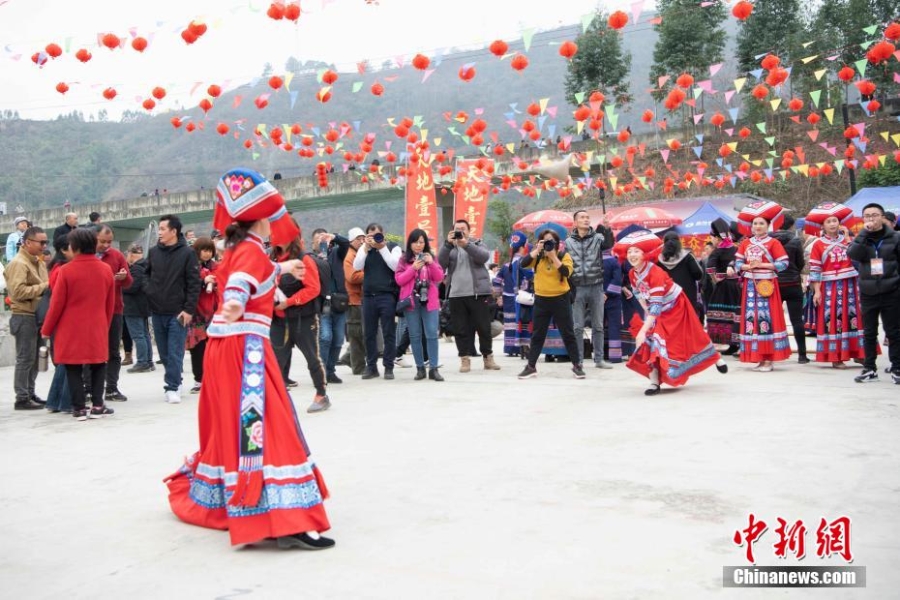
(401, 362)
(173, 397)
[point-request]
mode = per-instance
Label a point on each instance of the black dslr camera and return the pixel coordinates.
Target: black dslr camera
(549, 245)
(457, 235)
(421, 291)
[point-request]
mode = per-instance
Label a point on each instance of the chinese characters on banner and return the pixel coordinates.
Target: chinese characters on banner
(421, 203)
(472, 185)
(831, 538)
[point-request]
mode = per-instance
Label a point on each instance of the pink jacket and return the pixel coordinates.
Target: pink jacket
(406, 277)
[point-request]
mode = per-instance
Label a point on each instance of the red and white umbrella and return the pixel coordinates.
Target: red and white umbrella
(816, 217)
(532, 221)
(644, 216)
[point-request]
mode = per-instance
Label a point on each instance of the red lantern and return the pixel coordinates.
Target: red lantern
(846, 74)
(329, 77)
(109, 93)
(332, 135)
(261, 103)
(777, 76)
(275, 82)
(276, 11)
(582, 113)
(617, 20)
(139, 44)
(519, 62)
(214, 90)
(190, 127)
(717, 119)
(770, 62)
(296, 129)
(197, 28)
(323, 95)
(377, 89)
(498, 48)
(623, 136)
(742, 10)
(176, 122)
(39, 58)
(675, 145)
(850, 133)
(248, 144)
(725, 150)
(647, 117)
(568, 49)
(466, 73)
(826, 170)
(534, 109)
(111, 41)
(879, 53)
(83, 55)
(62, 87)
(149, 104)
(292, 12)
(892, 32)
(813, 118)
(873, 106)
(205, 105)
(760, 92)
(685, 80)
(159, 93)
(188, 36)
(795, 104)
(865, 87)
(421, 62)
(222, 128)
(744, 133)
(53, 50)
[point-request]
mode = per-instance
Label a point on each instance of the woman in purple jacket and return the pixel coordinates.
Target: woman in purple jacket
(418, 276)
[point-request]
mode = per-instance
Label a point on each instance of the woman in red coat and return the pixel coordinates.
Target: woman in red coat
(81, 310)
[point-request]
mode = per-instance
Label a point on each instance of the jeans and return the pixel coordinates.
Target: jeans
(417, 320)
(24, 329)
(140, 334)
(379, 310)
(356, 338)
(331, 339)
(114, 363)
(170, 338)
(560, 310)
(591, 297)
(888, 307)
(59, 397)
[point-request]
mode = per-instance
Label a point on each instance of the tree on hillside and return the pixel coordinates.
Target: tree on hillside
(600, 63)
(501, 218)
(691, 38)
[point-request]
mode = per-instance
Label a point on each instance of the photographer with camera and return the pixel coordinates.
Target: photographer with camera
(377, 259)
(552, 267)
(471, 294)
(419, 276)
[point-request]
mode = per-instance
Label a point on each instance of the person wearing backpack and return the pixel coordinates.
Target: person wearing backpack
(296, 318)
(332, 248)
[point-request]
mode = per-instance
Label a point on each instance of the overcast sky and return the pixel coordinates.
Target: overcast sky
(239, 41)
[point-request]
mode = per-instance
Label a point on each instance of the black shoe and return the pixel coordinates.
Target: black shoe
(80, 415)
(388, 373)
(730, 351)
(116, 396)
(28, 405)
(290, 383)
(435, 375)
(37, 400)
(723, 368)
(159, 362)
(305, 542)
(420, 373)
(370, 374)
(578, 371)
(652, 390)
(866, 377)
(98, 412)
(333, 378)
(803, 360)
(139, 368)
(528, 372)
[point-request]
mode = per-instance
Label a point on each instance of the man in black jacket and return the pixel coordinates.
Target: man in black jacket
(173, 288)
(789, 283)
(137, 310)
(64, 229)
(877, 251)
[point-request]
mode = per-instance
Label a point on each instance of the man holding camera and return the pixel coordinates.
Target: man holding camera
(377, 259)
(471, 294)
(585, 246)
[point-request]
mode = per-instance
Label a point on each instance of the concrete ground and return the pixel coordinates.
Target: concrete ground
(480, 487)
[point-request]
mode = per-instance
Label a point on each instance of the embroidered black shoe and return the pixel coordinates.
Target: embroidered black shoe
(304, 541)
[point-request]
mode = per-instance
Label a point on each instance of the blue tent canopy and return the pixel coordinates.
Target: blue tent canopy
(888, 197)
(700, 222)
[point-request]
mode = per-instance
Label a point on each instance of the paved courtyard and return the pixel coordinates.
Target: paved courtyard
(480, 487)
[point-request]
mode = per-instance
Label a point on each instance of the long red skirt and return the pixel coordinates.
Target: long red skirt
(293, 489)
(763, 330)
(677, 346)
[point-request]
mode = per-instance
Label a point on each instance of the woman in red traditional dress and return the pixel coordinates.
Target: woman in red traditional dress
(252, 475)
(835, 285)
(764, 336)
(671, 344)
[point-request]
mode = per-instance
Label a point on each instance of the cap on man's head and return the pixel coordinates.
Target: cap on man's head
(20, 220)
(355, 233)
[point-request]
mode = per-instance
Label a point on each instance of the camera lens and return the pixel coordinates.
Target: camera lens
(457, 235)
(549, 245)
(378, 237)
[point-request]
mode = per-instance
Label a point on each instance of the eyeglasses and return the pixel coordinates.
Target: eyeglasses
(871, 217)
(41, 242)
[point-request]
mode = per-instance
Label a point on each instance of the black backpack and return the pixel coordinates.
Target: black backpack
(324, 280)
(290, 286)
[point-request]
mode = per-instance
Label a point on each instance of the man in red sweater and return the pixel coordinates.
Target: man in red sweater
(122, 277)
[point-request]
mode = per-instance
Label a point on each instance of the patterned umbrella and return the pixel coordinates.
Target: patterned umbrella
(534, 220)
(646, 217)
(816, 217)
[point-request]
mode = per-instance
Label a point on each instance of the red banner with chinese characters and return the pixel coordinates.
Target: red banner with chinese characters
(472, 187)
(421, 203)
